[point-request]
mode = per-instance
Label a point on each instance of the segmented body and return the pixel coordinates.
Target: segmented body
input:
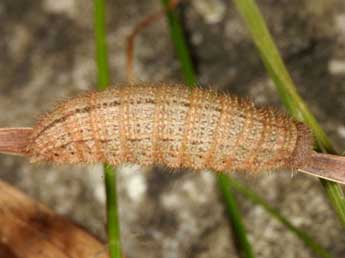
(170, 125)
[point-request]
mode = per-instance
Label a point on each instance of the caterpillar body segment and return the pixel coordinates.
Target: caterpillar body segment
(170, 125)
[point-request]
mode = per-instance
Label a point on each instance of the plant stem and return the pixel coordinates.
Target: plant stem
(113, 225)
(235, 216)
(103, 76)
(179, 41)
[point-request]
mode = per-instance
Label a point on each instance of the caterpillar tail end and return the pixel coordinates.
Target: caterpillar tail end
(303, 149)
(14, 141)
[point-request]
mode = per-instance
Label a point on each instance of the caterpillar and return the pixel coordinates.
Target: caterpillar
(170, 125)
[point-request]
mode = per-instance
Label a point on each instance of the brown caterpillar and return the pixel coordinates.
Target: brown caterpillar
(170, 125)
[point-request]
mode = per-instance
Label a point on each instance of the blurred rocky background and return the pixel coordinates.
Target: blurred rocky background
(47, 54)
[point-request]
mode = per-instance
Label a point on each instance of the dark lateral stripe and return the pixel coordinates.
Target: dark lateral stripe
(77, 111)
(86, 110)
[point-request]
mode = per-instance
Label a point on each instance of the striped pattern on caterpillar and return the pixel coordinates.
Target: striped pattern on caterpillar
(170, 125)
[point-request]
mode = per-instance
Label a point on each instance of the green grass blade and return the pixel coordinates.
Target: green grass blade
(103, 77)
(287, 91)
(244, 246)
(190, 79)
(113, 225)
(181, 46)
(306, 238)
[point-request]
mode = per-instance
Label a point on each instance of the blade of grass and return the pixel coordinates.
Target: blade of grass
(225, 182)
(287, 91)
(305, 237)
(224, 186)
(113, 225)
(179, 41)
(103, 77)
(234, 216)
